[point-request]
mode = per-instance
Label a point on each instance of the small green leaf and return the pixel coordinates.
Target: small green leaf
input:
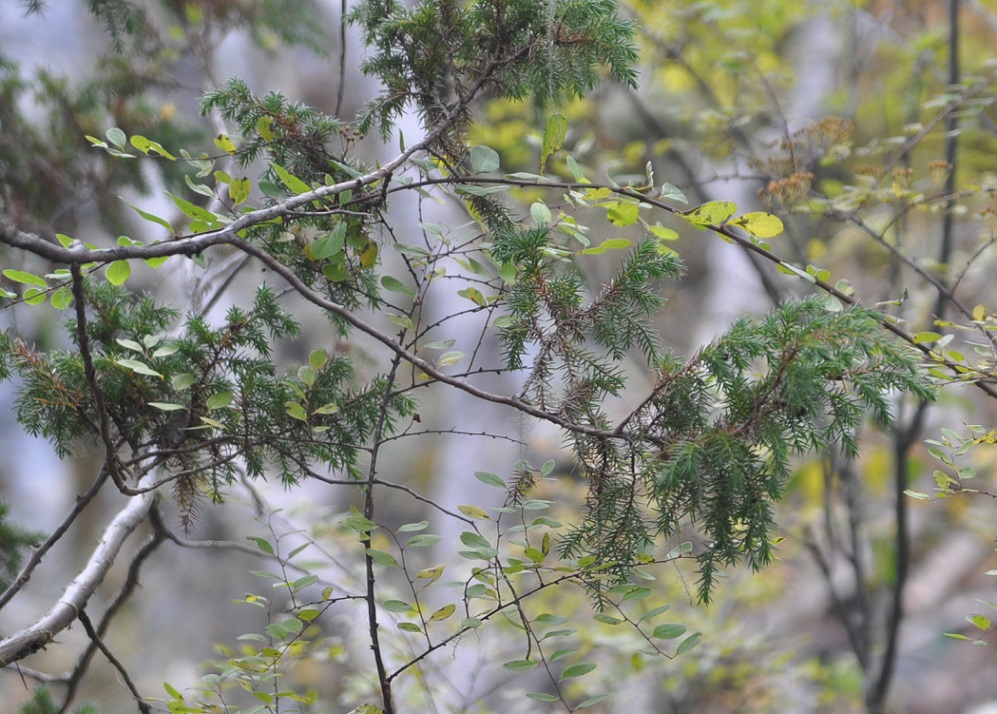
(329, 244)
(412, 251)
(396, 286)
(450, 358)
(402, 321)
(382, 558)
(174, 694)
(219, 400)
(578, 670)
(307, 375)
(293, 183)
(412, 527)
(651, 614)
(199, 188)
(423, 540)
(662, 233)
(791, 269)
(195, 212)
(151, 218)
(20, 276)
(521, 665)
(668, 632)
(158, 148)
(561, 654)
(141, 143)
(547, 618)
(357, 522)
(62, 298)
(689, 642)
(672, 193)
(474, 540)
(607, 619)
(439, 345)
(167, 406)
(474, 295)
(397, 606)
(636, 593)
(116, 137)
(34, 296)
(541, 697)
(139, 367)
(262, 543)
(408, 627)
(592, 701)
(541, 214)
(296, 411)
(490, 479)
(318, 358)
(555, 130)
(118, 272)
(484, 159)
(575, 169)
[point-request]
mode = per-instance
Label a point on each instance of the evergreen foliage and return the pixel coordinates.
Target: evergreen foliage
(442, 53)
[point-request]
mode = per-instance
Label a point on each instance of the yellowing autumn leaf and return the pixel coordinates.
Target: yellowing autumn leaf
(714, 213)
(622, 214)
(759, 224)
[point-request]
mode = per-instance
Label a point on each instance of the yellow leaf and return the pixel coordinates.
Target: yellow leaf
(622, 214)
(923, 337)
(368, 257)
(597, 194)
(238, 190)
(979, 312)
(474, 512)
(225, 144)
(714, 213)
(443, 613)
(760, 224)
(659, 231)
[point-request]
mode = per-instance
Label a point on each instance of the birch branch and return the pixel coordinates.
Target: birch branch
(66, 610)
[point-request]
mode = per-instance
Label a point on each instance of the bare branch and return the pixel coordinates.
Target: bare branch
(37, 636)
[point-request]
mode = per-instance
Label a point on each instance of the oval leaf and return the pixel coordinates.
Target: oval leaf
(19, 276)
(713, 213)
(577, 670)
(760, 224)
(219, 400)
(484, 159)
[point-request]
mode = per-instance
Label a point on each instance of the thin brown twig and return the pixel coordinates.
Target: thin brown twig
(95, 638)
